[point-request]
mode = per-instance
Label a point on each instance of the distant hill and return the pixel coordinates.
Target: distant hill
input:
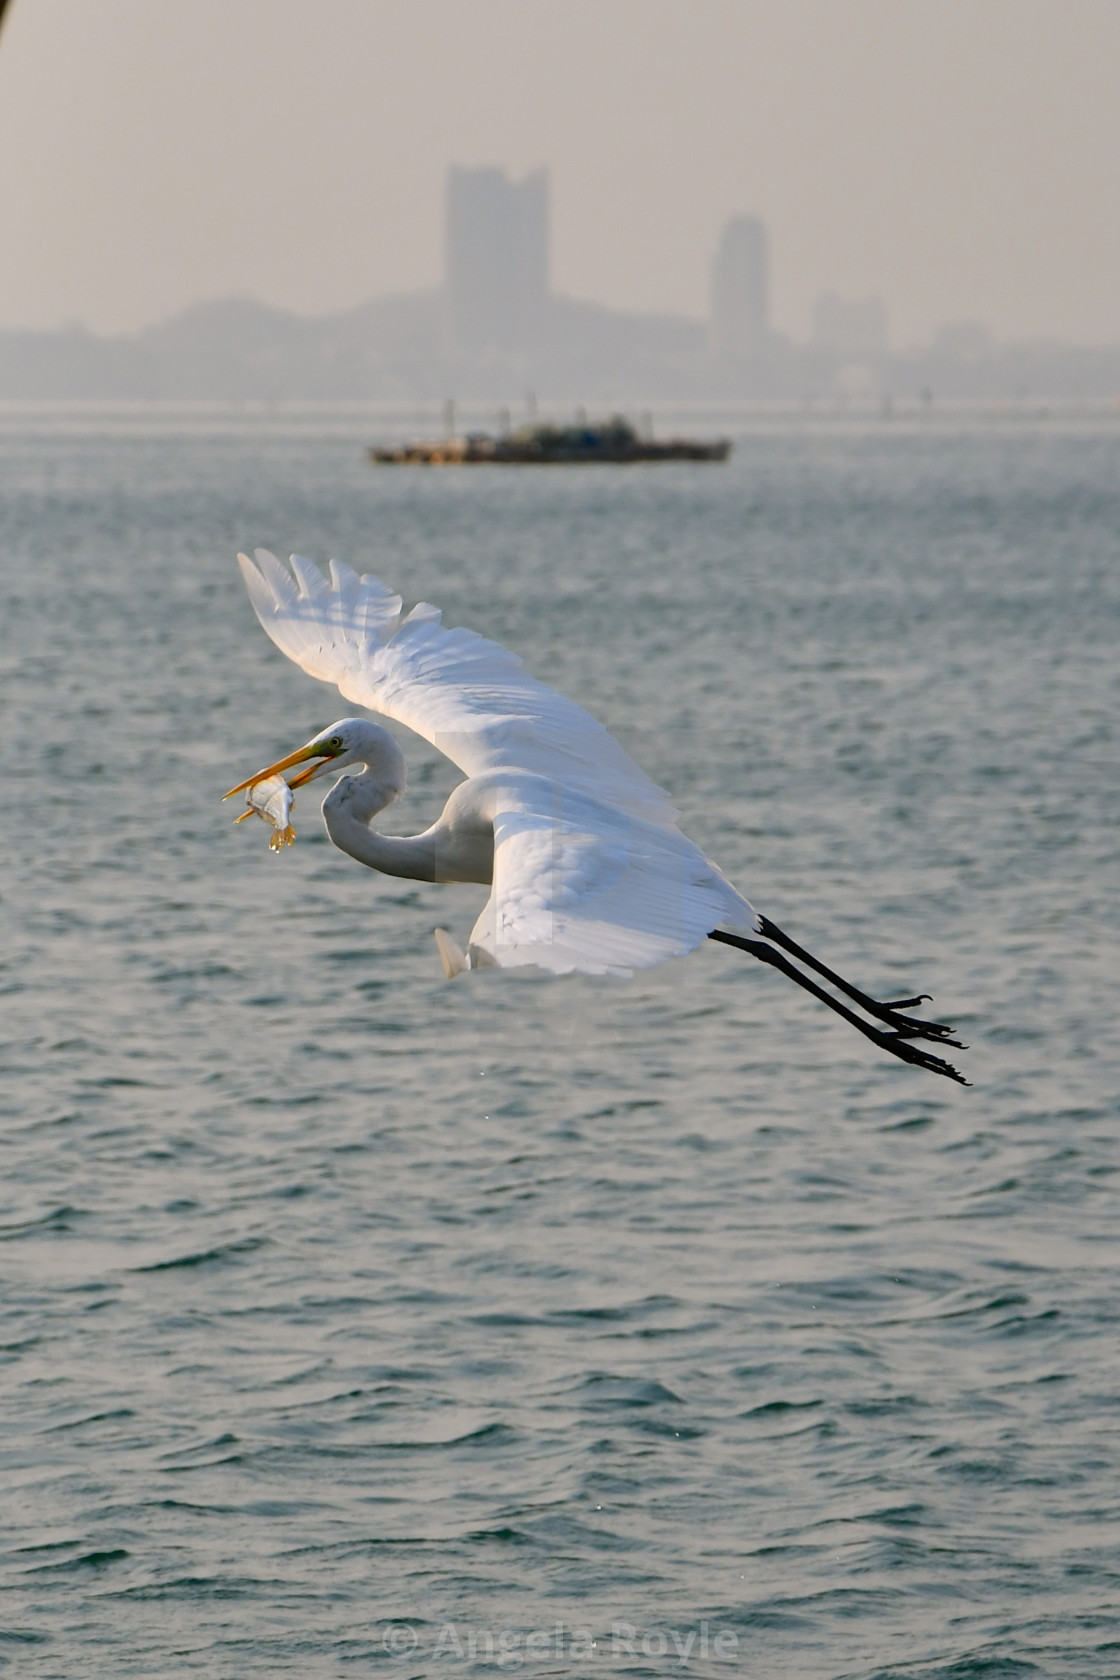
(240, 349)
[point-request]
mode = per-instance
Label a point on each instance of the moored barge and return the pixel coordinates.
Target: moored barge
(610, 442)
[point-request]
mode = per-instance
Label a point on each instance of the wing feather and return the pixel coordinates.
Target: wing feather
(471, 698)
(583, 885)
(590, 869)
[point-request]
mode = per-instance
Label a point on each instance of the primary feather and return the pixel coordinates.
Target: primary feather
(471, 698)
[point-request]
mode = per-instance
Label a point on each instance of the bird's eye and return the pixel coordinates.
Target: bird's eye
(336, 740)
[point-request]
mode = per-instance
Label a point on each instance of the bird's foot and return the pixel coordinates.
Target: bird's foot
(909, 1026)
(898, 1042)
(906, 1026)
(900, 1045)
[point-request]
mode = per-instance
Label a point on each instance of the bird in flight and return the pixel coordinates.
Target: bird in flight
(587, 869)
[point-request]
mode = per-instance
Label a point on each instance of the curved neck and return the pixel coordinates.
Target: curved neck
(414, 857)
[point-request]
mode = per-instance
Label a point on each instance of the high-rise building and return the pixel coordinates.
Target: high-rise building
(740, 286)
(496, 259)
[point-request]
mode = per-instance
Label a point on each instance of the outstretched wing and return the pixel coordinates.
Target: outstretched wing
(581, 884)
(590, 869)
(469, 697)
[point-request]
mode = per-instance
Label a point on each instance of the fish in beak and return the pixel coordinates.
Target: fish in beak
(321, 751)
(272, 799)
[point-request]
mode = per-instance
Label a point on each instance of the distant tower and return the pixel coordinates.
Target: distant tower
(496, 259)
(740, 289)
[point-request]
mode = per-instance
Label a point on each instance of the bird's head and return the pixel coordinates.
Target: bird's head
(350, 741)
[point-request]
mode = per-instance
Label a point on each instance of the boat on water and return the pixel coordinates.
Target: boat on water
(610, 442)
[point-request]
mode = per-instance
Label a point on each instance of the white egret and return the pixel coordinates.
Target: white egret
(586, 866)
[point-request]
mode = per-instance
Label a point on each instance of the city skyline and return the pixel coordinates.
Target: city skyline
(956, 161)
(496, 328)
(497, 241)
(496, 299)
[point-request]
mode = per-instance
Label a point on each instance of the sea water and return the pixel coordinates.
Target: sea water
(355, 1321)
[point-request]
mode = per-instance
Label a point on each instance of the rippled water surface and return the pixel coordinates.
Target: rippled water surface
(354, 1321)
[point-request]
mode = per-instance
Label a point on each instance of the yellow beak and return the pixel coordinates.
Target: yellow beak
(299, 757)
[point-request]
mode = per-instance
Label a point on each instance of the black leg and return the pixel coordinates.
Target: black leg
(887, 1012)
(897, 1043)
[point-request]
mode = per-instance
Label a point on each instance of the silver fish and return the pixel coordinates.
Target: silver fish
(272, 799)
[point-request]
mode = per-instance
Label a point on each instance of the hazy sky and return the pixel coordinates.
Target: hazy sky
(961, 158)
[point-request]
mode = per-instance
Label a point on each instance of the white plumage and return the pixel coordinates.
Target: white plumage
(590, 870)
(586, 866)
